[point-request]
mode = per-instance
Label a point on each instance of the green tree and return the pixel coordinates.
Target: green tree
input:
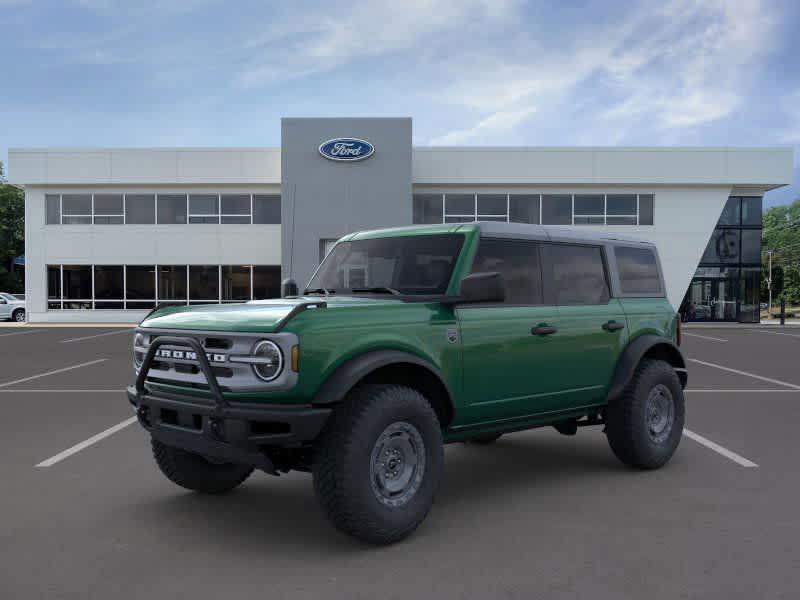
(781, 235)
(12, 235)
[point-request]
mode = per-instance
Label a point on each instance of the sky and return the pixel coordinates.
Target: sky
(107, 73)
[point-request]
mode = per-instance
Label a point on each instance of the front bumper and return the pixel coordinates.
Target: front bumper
(218, 429)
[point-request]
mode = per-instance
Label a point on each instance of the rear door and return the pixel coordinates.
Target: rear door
(508, 369)
(592, 329)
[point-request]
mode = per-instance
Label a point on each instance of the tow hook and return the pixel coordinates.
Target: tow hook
(216, 428)
(143, 414)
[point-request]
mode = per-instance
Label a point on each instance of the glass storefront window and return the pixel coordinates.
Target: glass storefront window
(133, 287)
(751, 211)
(203, 282)
(749, 295)
(523, 208)
(751, 246)
(266, 282)
(427, 208)
(495, 205)
(589, 209)
(646, 209)
(171, 209)
(459, 205)
(236, 283)
(730, 214)
(266, 209)
(140, 282)
(140, 209)
(557, 209)
(108, 282)
(172, 283)
(712, 295)
(723, 247)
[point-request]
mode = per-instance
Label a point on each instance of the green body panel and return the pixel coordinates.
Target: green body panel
(650, 315)
(501, 376)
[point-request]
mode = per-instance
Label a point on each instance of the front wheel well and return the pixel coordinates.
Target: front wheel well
(422, 380)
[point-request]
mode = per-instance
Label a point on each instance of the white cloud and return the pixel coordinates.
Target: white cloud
(496, 122)
(680, 65)
(300, 45)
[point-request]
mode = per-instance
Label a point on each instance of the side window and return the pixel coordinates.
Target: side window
(518, 262)
(574, 274)
(638, 271)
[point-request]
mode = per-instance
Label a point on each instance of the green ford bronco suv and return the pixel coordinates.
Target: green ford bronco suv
(406, 339)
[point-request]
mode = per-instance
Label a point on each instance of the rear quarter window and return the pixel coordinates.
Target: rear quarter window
(574, 274)
(638, 271)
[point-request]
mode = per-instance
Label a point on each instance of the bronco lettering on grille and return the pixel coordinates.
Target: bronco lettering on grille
(189, 355)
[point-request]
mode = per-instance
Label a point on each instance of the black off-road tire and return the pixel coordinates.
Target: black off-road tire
(194, 472)
(484, 440)
(345, 469)
(18, 316)
(628, 419)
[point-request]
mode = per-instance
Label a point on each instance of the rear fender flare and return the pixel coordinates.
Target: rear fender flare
(645, 346)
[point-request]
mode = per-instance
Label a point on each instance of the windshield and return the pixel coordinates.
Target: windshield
(420, 264)
(8, 297)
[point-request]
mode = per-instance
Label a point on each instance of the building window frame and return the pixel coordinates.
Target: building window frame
(634, 218)
(247, 218)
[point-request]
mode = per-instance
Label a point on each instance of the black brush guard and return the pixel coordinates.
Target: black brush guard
(220, 430)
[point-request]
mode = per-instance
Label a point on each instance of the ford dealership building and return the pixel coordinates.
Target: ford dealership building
(110, 233)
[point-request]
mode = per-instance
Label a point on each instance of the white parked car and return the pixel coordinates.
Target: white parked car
(12, 308)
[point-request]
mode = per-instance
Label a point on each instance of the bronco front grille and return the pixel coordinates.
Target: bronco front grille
(178, 365)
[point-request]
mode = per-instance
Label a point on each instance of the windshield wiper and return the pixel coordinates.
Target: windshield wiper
(320, 290)
(380, 289)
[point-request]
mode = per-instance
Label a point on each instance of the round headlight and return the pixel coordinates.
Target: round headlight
(138, 349)
(270, 360)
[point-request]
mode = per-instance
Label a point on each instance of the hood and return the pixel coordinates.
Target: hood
(258, 316)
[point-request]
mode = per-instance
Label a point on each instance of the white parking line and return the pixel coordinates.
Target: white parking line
(24, 379)
(729, 454)
(86, 443)
(794, 335)
(22, 332)
(705, 337)
(753, 375)
(91, 337)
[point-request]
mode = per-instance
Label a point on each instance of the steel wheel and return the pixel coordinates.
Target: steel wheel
(19, 316)
(660, 413)
(397, 464)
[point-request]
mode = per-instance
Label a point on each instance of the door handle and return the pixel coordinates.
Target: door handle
(543, 330)
(613, 326)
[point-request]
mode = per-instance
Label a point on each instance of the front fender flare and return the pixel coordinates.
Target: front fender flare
(655, 345)
(355, 369)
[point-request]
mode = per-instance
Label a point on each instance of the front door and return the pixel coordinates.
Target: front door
(508, 368)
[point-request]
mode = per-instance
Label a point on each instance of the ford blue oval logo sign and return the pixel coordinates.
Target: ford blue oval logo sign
(351, 149)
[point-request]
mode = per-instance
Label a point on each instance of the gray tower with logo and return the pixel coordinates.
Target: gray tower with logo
(324, 199)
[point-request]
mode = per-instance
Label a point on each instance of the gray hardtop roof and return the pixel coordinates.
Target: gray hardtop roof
(561, 233)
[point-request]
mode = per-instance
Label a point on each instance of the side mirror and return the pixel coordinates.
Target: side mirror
(288, 288)
(482, 287)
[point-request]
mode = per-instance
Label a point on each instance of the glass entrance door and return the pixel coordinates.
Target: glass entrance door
(712, 300)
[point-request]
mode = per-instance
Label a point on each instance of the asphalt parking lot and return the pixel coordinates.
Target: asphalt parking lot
(535, 515)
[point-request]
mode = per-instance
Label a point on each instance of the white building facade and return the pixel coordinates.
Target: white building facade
(110, 233)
